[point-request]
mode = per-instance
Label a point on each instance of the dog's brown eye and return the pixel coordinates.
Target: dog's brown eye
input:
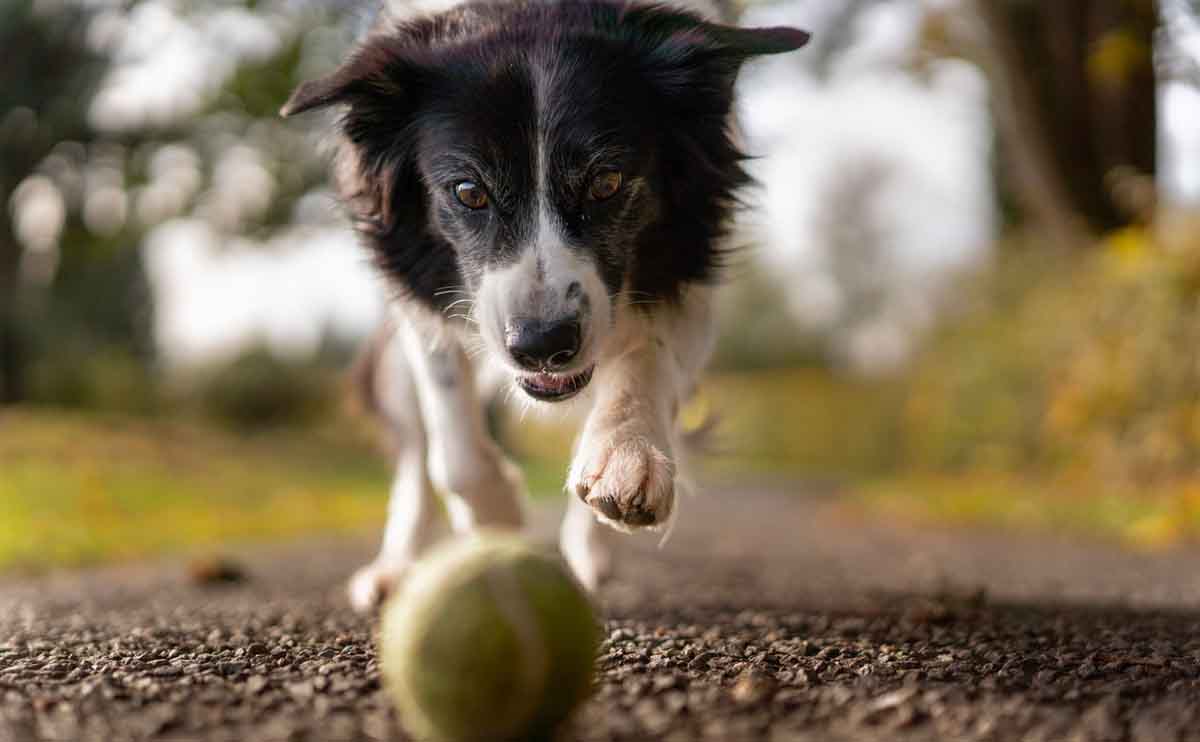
(605, 185)
(471, 195)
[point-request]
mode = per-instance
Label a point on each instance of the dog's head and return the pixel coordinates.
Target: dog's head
(538, 167)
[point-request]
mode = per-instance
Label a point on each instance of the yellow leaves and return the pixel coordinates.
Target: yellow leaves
(1175, 521)
(1089, 365)
(1130, 242)
(1129, 251)
(1154, 532)
(1074, 503)
(1067, 410)
(1116, 58)
(697, 413)
(1099, 384)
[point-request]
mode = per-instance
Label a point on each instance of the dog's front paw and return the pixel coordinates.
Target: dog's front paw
(372, 584)
(627, 480)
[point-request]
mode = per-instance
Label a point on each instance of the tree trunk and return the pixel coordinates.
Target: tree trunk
(1076, 101)
(12, 357)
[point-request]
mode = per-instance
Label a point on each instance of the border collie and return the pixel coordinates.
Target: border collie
(546, 184)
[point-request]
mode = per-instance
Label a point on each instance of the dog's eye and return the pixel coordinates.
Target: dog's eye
(472, 195)
(605, 185)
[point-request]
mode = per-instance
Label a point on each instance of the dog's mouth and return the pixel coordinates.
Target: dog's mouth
(549, 387)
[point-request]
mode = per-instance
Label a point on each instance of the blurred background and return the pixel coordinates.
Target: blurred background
(971, 288)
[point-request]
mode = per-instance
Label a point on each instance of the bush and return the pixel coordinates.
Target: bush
(259, 390)
(757, 331)
(105, 378)
(1079, 365)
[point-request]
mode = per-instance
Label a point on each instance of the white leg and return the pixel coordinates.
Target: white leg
(583, 544)
(625, 467)
(482, 488)
(412, 519)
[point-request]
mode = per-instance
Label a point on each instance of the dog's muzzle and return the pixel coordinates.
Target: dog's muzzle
(544, 349)
(551, 387)
(539, 345)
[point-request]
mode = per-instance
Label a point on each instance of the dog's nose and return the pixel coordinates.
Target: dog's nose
(538, 345)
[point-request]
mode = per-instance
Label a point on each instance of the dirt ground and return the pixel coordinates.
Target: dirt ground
(769, 616)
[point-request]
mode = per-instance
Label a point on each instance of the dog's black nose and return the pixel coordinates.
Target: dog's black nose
(537, 345)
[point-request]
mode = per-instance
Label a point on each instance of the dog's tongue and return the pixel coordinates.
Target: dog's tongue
(552, 383)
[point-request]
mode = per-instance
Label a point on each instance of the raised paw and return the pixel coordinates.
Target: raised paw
(372, 584)
(628, 481)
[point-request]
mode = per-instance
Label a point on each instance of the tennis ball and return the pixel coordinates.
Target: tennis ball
(489, 640)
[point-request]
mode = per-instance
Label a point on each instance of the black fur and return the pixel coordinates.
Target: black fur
(468, 94)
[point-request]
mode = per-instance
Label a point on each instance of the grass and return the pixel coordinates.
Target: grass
(78, 489)
(1150, 520)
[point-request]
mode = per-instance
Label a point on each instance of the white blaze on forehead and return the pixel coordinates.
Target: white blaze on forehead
(538, 285)
(500, 295)
(558, 264)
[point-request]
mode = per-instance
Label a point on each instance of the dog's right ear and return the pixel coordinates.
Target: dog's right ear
(371, 72)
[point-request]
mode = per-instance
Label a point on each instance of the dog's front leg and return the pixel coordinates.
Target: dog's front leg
(412, 508)
(623, 467)
(427, 396)
(482, 487)
(623, 472)
(626, 461)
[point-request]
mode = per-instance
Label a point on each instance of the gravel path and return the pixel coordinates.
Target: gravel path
(768, 617)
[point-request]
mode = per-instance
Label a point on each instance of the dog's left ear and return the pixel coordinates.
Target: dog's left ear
(753, 42)
(685, 56)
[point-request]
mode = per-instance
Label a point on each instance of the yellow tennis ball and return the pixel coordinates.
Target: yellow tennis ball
(489, 640)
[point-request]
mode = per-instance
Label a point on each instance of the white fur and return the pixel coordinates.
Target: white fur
(627, 451)
(412, 507)
(442, 443)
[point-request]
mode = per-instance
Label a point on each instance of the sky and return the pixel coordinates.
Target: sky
(1181, 111)
(925, 145)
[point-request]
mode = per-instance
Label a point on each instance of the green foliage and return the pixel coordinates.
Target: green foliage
(46, 84)
(107, 379)
(96, 307)
(810, 422)
(259, 88)
(757, 332)
(259, 391)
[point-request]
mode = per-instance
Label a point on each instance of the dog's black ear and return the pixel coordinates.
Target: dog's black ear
(369, 72)
(382, 86)
(681, 50)
(753, 42)
(315, 94)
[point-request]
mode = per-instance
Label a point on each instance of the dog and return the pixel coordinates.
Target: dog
(547, 185)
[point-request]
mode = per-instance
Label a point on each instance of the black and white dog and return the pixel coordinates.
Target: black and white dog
(547, 183)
